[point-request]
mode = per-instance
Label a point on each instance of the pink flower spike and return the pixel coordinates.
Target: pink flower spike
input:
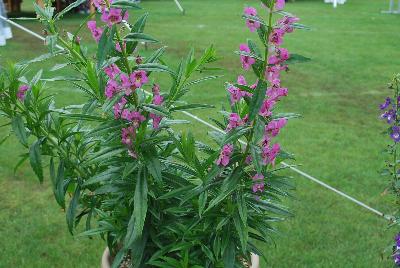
(251, 24)
(156, 89)
(224, 157)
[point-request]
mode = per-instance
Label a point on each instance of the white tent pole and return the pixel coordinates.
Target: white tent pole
(179, 6)
(334, 3)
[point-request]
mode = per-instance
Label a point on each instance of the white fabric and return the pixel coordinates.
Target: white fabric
(5, 30)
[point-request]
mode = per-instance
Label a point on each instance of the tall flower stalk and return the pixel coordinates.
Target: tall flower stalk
(390, 109)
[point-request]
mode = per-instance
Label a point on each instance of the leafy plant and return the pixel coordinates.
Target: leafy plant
(390, 108)
(159, 198)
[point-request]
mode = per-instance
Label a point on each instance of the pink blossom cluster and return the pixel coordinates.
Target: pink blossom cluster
(157, 100)
(236, 94)
(22, 91)
(225, 155)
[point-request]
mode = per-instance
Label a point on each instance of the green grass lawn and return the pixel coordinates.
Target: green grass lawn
(355, 51)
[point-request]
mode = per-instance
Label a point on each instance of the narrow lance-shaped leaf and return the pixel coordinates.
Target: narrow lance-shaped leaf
(18, 126)
(36, 160)
(71, 212)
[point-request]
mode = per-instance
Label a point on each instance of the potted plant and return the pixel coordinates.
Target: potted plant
(158, 197)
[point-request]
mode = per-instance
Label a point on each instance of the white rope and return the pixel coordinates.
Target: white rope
(302, 173)
(179, 6)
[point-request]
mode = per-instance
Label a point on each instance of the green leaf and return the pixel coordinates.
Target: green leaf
(36, 160)
(229, 256)
(109, 174)
(152, 162)
(256, 158)
(257, 100)
(156, 109)
(200, 80)
(138, 218)
(68, 8)
(191, 107)
(296, 58)
(229, 185)
(125, 4)
(155, 67)
(140, 37)
(71, 212)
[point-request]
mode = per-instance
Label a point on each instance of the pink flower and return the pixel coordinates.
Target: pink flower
(242, 81)
(276, 37)
(282, 54)
(112, 71)
(156, 89)
(113, 16)
(248, 159)
(275, 126)
(112, 87)
(156, 120)
(266, 108)
(128, 135)
(138, 78)
(118, 108)
(118, 46)
(275, 93)
(258, 185)
(225, 155)
(235, 93)
(286, 23)
(246, 60)
(269, 154)
(158, 99)
(137, 118)
(21, 92)
(280, 4)
(100, 4)
(234, 121)
(253, 25)
(273, 73)
(96, 32)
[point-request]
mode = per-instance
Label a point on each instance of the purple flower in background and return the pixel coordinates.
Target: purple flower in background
(386, 104)
(390, 116)
(253, 25)
(396, 259)
(21, 92)
(395, 135)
